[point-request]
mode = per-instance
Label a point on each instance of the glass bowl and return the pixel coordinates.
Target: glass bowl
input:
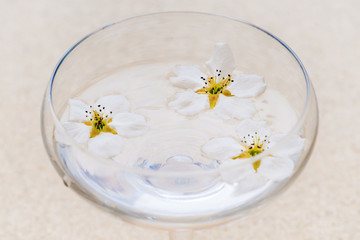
(162, 179)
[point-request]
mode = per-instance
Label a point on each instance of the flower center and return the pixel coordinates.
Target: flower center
(253, 145)
(213, 86)
(99, 119)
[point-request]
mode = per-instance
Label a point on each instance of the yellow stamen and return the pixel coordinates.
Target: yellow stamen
(227, 93)
(256, 165)
(213, 99)
(201, 91)
(214, 86)
(242, 155)
(88, 123)
(99, 123)
(252, 148)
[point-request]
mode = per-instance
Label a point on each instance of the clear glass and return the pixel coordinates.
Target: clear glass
(156, 40)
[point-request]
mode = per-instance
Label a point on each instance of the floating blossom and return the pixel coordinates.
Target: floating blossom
(219, 90)
(102, 125)
(253, 138)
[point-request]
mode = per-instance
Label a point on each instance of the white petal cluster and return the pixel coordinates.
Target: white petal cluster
(189, 78)
(276, 167)
(106, 145)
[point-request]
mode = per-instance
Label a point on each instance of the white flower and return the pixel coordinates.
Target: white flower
(101, 125)
(219, 89)
(253, 138)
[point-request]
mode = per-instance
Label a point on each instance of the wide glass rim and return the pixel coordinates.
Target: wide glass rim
(296, 127)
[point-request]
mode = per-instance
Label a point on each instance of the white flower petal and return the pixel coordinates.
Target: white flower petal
(190, 71)
(276, 168)
(78, 131)
(233, 171)
(222, 59)
(222, 148)
(249, 183)
(129, 124)
(188, 77)
(186, 82)
(77, 110)
(249, 126)
(114, 103)
(245, 85)
(292, 148)
(106, 145)
(189, 103)
(233, 107)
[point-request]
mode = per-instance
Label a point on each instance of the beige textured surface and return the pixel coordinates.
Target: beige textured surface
(324, 203)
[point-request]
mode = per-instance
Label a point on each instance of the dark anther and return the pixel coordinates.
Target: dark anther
(110, 112)
(217, 70)
(228, 75)
(250, 147)
(103, 107)
(86, 111)
(99, 105)
(255, 132)
(219, 74)
(232, 80)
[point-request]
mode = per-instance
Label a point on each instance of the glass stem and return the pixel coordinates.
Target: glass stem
(181, 235)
